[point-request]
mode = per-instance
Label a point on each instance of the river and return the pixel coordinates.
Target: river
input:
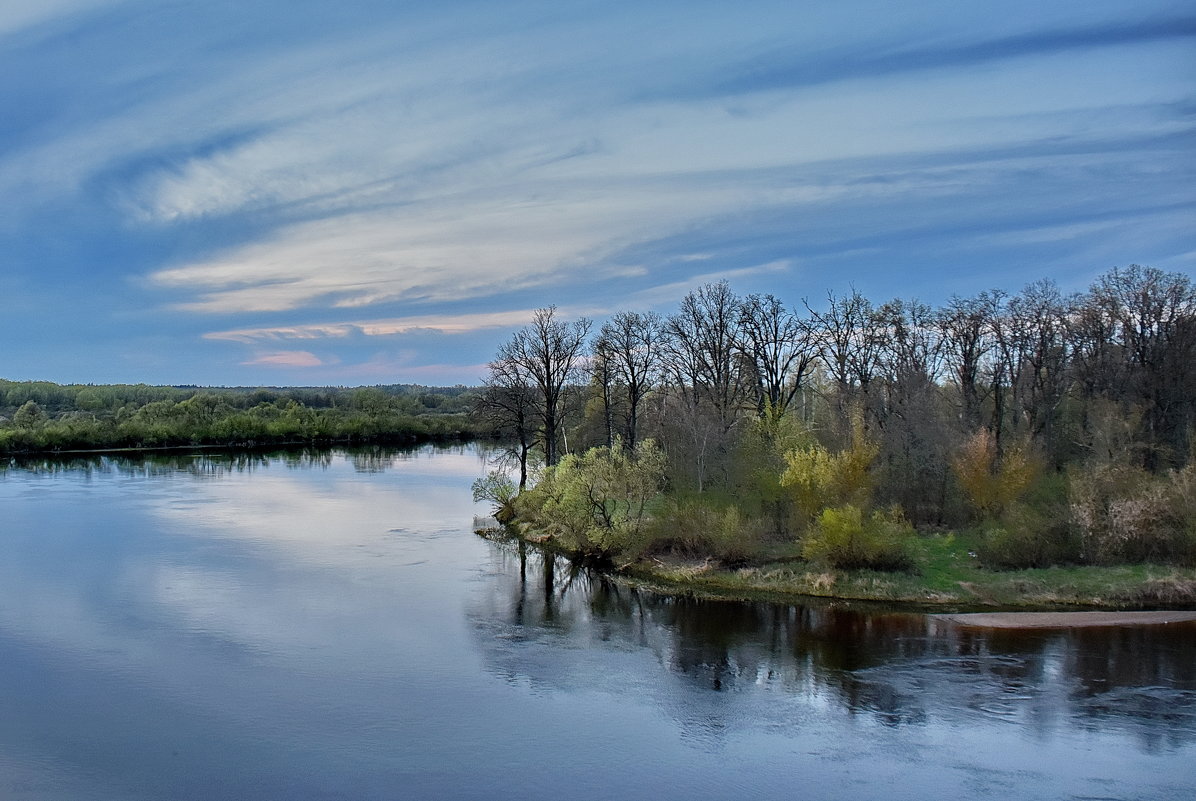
(325, 625)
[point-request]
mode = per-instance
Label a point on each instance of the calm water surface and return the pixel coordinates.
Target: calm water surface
(327, 626)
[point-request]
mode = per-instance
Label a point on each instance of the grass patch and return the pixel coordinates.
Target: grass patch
(948, 574)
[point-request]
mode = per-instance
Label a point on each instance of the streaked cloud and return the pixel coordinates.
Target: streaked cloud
(19, 15)
(286, 358)
(443, 324)
(671, 293)
(784, 69)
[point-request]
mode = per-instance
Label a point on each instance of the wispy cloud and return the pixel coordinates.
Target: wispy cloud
(443, 324)
(437, 214)
(672, 292)
(286, 358)
(784, 70)
(19, 15)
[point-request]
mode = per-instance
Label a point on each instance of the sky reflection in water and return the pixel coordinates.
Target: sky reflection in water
(326, 626)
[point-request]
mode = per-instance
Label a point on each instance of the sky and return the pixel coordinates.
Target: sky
(365, 192)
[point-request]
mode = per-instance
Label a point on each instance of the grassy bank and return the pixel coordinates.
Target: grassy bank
(947, 576)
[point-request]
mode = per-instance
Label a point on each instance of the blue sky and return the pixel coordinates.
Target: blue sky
(368, 192)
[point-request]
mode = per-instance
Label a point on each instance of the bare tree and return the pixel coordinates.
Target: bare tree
(909, 410)
(781, 350)
(1032, 347)
(703, 363)
(630, 346)
(911, 347)
(1135, 337)
(702, 353)
(509, 404)
(966, 328)
(548, 352)
(602, 375)
(849, 334)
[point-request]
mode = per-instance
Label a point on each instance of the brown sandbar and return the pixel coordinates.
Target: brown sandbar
(1065, 620)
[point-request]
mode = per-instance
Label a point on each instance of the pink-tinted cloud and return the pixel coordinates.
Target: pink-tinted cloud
(286, 358)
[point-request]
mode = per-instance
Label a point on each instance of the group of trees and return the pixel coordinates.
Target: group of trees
(42, 416)
(1061, 425)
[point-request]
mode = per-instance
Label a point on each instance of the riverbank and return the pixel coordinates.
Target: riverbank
(948, 576)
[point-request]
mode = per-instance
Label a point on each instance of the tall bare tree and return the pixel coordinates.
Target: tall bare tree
(631, 345)
(1135, 337)
(602, 375)
(509, 403)
(704, 367)
(966, 328)
(781, 350)
(849, 335)
(1032, 346)
(702, 352)
(908, 406)
(548, 351)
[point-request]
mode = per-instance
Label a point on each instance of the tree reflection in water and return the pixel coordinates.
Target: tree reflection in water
(214, 463)
(898, 669)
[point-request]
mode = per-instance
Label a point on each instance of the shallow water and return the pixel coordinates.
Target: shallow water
(326, 625)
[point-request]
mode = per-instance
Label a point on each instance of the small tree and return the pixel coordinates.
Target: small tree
(30, 415)
(991, 483)
(508, 403)
(819, 478)
(597, 504)
(498, 488)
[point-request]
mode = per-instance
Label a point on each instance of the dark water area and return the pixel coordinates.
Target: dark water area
(325, 625)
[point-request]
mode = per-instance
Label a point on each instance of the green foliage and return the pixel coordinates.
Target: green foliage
(844, 537)
(760, 463)
(499, 489)
(597, 504)
(695, 526)
(992, 482)
(1025, 537)
(50, 417)
(30, 415)
(818, 478)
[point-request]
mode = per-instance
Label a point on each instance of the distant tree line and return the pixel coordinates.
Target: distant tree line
(42, 416)
(1057, 427)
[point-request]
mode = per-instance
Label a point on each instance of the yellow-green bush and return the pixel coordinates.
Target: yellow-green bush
(819, 479)
(597, 504)
(991, 483)
(845, 537)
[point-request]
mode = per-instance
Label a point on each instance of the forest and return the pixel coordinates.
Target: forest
(1047, 428)
(39, 416)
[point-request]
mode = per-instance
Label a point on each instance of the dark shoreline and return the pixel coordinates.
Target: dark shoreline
(702, 580)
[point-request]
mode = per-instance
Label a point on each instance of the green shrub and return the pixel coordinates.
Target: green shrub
(597, 504)
(696, 527)
(818, 478)
(499, 489)
(843, 537)
(1026, 537)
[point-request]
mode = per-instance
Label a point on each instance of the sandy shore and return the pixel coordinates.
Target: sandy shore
(1065, 620)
